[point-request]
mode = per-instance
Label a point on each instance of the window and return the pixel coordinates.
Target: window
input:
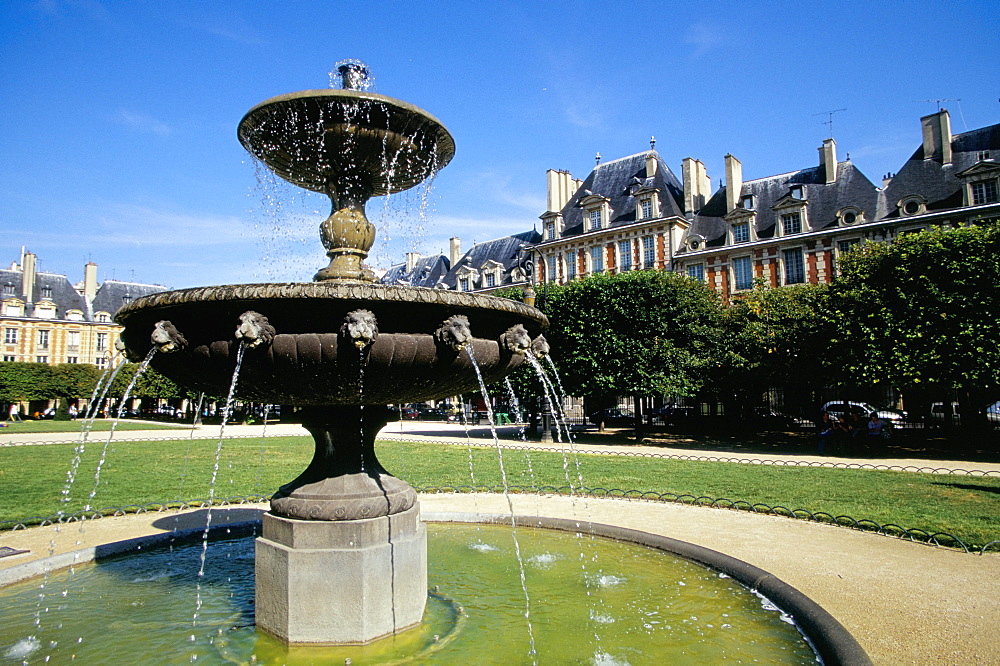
(47, 292)
(10, 336)
(983, 155)
(697, 271)
(742, 273)
(73, 339)
(625, 255)
(741, 232)
(597, 259)
(649, 251)
(846, 245)
(41, 359)
(794, 267)
(796, 192)
(595, 219)
(103, 317)
(791, 224)
(747, 202)
(101, 362)
(570, 266)
(645, 209)
(550, 264)
(463, 285)
(102, 342)
(8, 289)
(8, 358)
(984, 192)
(550, 231)
(72, 359)
(126, 299)
(491, 279)
(43, 339)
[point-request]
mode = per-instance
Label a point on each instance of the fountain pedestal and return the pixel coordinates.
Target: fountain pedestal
(341, 582)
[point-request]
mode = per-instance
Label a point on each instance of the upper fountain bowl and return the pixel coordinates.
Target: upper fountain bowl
(346, 142)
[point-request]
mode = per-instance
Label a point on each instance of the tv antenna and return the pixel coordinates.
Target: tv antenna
(938, 101)
(829, 120)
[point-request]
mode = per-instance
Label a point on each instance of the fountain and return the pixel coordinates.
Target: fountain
(342, 556)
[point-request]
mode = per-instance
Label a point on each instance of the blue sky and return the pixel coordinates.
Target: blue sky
(119, 140)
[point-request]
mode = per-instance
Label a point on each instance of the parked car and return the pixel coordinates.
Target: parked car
(838, 408)
(944, 412)
(771, 419)
(409, 413)
(613, 416)
(433, 414)
(669, 414)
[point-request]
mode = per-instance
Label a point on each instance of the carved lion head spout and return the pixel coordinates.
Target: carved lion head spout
(516, 339)
(454, 332)
(360, 327)
(254, 330)
(167, 338)
(540, 347)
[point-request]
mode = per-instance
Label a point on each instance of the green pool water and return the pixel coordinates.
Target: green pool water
(591, 601)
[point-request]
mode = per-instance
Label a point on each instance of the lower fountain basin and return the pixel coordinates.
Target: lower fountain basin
(629, 604)
(310, 361)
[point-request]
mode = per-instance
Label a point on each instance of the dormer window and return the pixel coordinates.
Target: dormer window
(796, 192)
(747, 202)
(912, 205)
(103, 318)
(550, 231)
(741, 232)
(595, 216)
(8, 289)
(126, 299)
(984, 192)
(850, 215)
(645, 209)
(463, 284)
(791, 224)
(47, 292)
(983, 155)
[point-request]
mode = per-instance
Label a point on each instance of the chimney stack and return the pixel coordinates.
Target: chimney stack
(650, 164)
(937, 136)
(90, 281)
(28, 263)
(411, 261)
(561, 186)
(697, 185)
(734, 182)
(454, 251)
(828, 159)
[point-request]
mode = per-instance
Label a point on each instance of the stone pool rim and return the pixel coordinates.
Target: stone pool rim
(829, 638)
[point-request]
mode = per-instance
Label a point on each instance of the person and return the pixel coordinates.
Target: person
(825, 428)
(876, 430)
(15, 413)
(73, 411)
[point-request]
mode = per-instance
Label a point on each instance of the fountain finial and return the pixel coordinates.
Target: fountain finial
(352, 74)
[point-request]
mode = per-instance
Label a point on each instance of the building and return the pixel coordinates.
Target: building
(790, 228)
(486, 267)
(46, 319)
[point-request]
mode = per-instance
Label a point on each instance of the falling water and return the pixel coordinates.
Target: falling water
(516, 405)
(510, 504)
(211, 487)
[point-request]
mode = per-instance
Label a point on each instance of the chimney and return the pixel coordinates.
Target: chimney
(411, 261)
(28, 277)
(90, 281)
(828, 159)
(734, 182)
(561, 187)
(650, 164)
(454, 251)
(937, 136)
(697, 185)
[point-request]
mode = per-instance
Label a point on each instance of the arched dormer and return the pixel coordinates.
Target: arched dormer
(596, 212)
(741, 226)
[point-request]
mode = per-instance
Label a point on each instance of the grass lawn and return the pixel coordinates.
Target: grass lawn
(100, 425)
(32, 479)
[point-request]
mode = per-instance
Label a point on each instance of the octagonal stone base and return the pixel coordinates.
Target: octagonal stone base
(341, 582)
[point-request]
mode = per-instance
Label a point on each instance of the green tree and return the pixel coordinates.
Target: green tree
(26, 381)
(151, 384)
(640, 333)
(923, 311)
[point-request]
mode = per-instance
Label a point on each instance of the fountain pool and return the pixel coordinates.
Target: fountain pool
(639, 605)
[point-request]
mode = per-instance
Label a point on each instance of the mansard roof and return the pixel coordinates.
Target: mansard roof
(618, 181)
(938, 183)
(64, 295)
(427, 272)
(113, 294)
(825, 200)
(508, 251)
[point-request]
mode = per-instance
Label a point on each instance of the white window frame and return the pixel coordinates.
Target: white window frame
(749, 263)
(985, 184)
(570, 263)
(596, 259)
(625, 262)
(696, 272)
(10, 336)
(785, 266)
(649, 251)
(646, 208)
(790, 218)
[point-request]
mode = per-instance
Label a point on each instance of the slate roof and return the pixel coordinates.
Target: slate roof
(852, 188)
(509, 251)
(113, 294)
(936, 182)
(427, 272)
(618, 180)
(64, 296)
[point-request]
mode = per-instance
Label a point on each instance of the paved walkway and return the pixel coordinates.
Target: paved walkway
(906, 603)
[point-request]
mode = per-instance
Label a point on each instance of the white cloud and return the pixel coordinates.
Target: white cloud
(143, 123)
(702, 39)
